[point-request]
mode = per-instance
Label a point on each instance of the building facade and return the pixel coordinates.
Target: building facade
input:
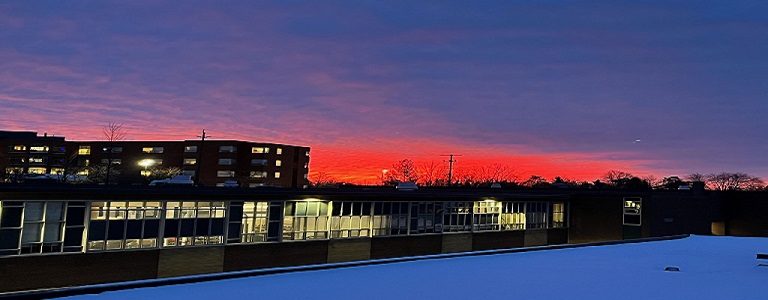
(146, 233)
(217, 162)
(25, 154)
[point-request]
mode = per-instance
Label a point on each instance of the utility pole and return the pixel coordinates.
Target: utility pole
(450, 166)
(199, 157)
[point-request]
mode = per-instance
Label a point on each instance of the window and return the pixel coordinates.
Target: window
(190, 161)
(38, 149)
(225, 174)
(390, 218)
(513, 216)
(194, 223)
(306, 153)
(305, 220)
(425, 218)
(558, 215)
(350, 219)
(188, 172)
(124, 225)
(536, 214)
(306, 165)
(258, 162)
(227, 149)
(306, 176)
(255, 222)
(37, 160)
(152, 149)
(84, 150)
(633, 211)
(279, 151)
(190, 149)
(113, 149)
(260, 150)
(457, 216)
(43, 227)
(115, 161)
(226, 161)
(486, 215)
(258, 174)
(19, 148)
(278, 163)
(37, 171)
(277, 175)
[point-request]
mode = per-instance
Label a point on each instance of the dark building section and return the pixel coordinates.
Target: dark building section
(745, 214)
(24, 156)
(145, 233)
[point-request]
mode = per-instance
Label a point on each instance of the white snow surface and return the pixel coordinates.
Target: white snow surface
(710, 268)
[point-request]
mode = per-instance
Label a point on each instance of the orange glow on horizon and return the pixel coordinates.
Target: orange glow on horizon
(363, 160)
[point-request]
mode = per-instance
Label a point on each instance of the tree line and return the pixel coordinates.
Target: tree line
(436, 174)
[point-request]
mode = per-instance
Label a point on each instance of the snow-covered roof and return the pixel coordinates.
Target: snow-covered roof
(710, 268)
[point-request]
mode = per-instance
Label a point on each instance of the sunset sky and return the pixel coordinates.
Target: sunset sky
(569, 88)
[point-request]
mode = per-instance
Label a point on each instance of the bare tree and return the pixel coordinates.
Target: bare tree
(111, 132)
(535, 181)
(156, 172)
(696, 177)
(734, 181)
(653, 181)
(432, 174)
(322, 179)
(403, 171)
(616, 175)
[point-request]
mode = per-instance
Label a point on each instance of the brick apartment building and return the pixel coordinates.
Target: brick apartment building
(250, 164)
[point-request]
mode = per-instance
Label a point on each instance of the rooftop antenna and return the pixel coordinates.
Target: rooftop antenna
(450, 166)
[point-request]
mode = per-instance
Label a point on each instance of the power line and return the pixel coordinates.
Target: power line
(450, 166)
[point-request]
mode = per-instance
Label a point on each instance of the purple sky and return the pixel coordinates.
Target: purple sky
(563, 85)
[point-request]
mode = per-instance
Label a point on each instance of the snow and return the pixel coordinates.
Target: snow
(710, 268)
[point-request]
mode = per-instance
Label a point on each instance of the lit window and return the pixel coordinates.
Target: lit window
(258, 174)
(152, 149)
(277, 175)
(228, 149)
(113, 149)
(190, 161)
(19, 148)
(306, 153)
(260, 150)
(38, 148)
(226, 161)
(279, 151)
(115, 161)
(278, 163)
(84, 150)
(306, 165)
(190, 149)
(36, 159)
(225, 174)
(258, 162)
(36, 171)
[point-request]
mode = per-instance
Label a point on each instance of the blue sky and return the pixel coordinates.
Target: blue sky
(551, 87)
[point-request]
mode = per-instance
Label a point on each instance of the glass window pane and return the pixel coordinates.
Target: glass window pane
(54, 212)
(52, 232)
(33, 211)
(31, 233)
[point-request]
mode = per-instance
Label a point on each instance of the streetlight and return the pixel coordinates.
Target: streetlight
(384, 176)
(146, 163)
